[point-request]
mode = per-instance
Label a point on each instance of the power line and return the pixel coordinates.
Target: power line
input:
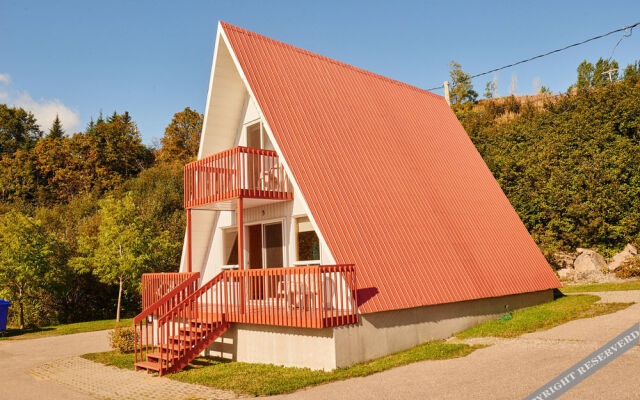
(623, 29)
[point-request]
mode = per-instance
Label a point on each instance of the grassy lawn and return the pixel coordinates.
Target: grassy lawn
(267, 379)
(544, 316)
(602, 287)
(64, 329)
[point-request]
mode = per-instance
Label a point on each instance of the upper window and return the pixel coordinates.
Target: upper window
(257, 137)
(308, 243)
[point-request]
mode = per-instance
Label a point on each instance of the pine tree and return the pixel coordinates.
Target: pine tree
(56, 130)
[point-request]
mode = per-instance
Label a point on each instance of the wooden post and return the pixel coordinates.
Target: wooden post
(188, 240)
(240, 213)
(241, 266)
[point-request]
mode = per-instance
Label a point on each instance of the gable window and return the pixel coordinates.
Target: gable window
(307, 243)
(257, 137)
(230, 246)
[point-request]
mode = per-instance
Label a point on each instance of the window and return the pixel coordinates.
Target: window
(257, 137)
(308, 244)
(230, 246)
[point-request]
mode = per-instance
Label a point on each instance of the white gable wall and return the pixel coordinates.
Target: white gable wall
(284, 211)
(229, 106)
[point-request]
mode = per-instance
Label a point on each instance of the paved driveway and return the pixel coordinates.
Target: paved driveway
(49, 368)
(510, 369)
(18, 357)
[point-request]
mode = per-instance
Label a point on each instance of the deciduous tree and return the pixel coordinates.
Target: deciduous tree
(461, 86)
(182, 136)
(29, 258)
(122, 249)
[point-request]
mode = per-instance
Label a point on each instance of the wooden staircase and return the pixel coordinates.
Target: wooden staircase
(181, 348)
(169, 340)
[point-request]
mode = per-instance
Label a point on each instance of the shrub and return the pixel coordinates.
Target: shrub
(122, 339)
(630, 269)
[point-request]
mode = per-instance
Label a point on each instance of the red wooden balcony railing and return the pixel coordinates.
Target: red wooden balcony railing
(237, 172)
(157, 285)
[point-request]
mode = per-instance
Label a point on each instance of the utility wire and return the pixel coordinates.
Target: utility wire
(623, 29)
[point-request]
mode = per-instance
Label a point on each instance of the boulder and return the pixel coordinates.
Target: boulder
(628, 253)
(563, 260)
(588, 261)
(566, 273)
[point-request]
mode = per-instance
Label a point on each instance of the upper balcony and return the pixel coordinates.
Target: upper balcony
(240, 172)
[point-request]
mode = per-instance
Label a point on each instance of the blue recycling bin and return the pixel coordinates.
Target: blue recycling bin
(4, 309)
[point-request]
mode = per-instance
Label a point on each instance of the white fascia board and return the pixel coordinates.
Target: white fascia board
(213, 72)
(273, 140)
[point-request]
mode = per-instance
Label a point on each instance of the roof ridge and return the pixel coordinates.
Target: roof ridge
(226, 25)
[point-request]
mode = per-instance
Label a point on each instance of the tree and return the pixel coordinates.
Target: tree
(18, 128)
(585, 75)
(489, 89)
(56, 130)
(604, 72)
(122, 249)
(544, 90)
(182, 136)
(632, 72)
(461, 86)
(27, 259)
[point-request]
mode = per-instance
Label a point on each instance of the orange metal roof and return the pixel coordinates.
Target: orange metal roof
(394, 183)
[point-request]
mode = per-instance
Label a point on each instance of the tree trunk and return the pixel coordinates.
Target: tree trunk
(119, 300)
(21, 314)
(21, 307)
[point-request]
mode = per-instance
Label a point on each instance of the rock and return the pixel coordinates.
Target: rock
(563, 260)
(588, 261)
(628, 253)
(566, 273)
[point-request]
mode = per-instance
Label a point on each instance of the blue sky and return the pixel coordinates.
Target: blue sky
(153, 58)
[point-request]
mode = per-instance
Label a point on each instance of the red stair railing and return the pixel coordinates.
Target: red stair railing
(191, 326)
(144, 336)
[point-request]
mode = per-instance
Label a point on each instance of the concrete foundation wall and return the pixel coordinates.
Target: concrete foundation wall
(383, 333)
(376, 335)
(291, 347)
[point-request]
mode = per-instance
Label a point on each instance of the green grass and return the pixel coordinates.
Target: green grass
(268, 379)
(602, 287)
(64, 329)
(544, 316)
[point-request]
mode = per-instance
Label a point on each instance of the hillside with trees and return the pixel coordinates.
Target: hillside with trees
(82, 215)
(571, 165)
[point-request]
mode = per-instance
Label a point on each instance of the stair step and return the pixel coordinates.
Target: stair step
(192, 329)
(199, 323)
(169, 347)
(148, 365)
(185, 338)
(156, 357)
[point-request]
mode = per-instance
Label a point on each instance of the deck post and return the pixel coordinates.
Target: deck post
(188, 240)
(241, 266)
